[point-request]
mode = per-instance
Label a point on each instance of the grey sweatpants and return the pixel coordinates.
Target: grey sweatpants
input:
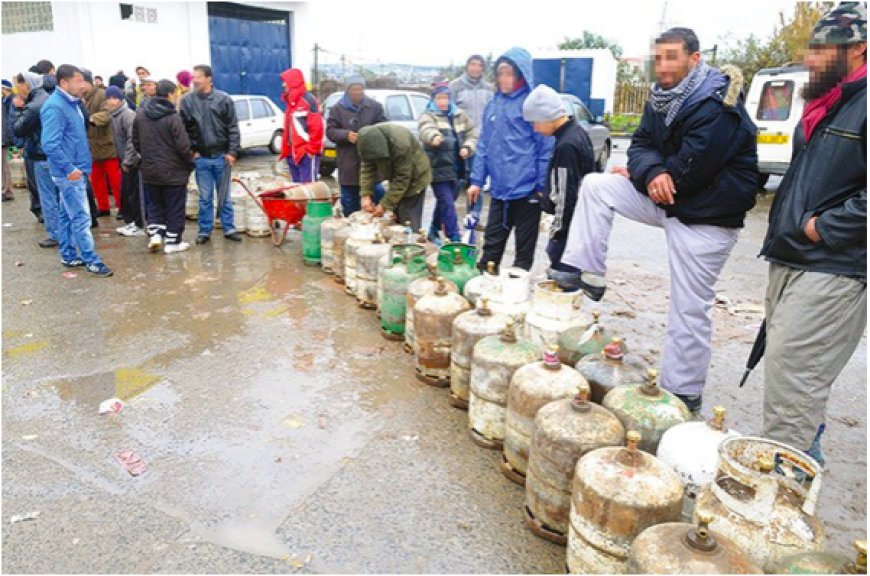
(696, 255)
(814, 323)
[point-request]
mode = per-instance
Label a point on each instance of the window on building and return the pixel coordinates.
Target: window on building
(27, 17)
(260, 109)
(126, 11)
(776, 98)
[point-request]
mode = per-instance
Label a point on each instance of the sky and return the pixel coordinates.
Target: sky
(434, 32)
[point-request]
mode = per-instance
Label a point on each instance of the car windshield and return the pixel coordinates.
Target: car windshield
(397, 108)
(775, 102)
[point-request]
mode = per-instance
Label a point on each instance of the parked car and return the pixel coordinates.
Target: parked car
(775, 104)
(261, 122)
(401, 107)
(598, 131)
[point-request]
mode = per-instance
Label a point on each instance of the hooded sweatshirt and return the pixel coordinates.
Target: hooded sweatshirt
(162, 142)
(391, 151)
(303, 120)
(122, 134)
(26, 123)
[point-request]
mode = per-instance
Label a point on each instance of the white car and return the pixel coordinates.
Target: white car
(261, 122)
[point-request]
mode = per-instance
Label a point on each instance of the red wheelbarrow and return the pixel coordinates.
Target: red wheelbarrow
(279, 208)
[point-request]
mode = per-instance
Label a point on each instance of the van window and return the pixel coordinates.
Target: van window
(776, 99)
(397, 108)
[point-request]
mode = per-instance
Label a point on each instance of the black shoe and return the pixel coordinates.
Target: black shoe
(593, 285)
(102, 213)
(119, 215)
(693, 403)
(200, 240)
(234, 236)
(74, 263)
(49, 243)
(99, 269)
(7, 196)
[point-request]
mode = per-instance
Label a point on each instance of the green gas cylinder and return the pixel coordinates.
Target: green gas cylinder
(456, 262)
(407, 263)
(315, 213)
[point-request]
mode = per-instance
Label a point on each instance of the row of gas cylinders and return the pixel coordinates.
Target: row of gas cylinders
(612, 464)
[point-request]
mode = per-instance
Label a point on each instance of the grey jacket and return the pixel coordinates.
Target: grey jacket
(472, 96)
(122, 133)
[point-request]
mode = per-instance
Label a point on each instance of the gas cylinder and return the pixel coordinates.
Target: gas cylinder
(580, 341)
(191, 204)
(316, 212)
(552, 312)
(456, 262)
(824, 562)
(328, 228)
(360, 235)
(647, 408)
(339, 241)
(399, 234)
(681, 548)
(484, 284)
(430, 248)
(764, 498)
(533, 386)
(511, 294)
(616, 495)
(565, 430)
(256, 222)
(433, 328)
(493, 363)
(407, 263)
(469, 328)
(309, 191)
(368, 259)
(611, 368)
(420, 287)
(691, 449)
(17, 172)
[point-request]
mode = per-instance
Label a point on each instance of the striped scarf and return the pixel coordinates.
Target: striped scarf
(670, 101)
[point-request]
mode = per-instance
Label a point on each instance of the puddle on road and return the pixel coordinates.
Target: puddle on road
(123, 383)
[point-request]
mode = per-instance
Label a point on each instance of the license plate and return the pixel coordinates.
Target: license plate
(773, 139)
(329, 153)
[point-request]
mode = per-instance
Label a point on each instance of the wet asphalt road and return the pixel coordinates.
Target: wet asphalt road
(280, 431)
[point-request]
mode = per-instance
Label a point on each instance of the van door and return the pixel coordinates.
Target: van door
(776, 106)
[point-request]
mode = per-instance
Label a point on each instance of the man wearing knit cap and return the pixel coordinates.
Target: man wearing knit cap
(572, 159)
(347, 117)
(184, 77)
(122, 134)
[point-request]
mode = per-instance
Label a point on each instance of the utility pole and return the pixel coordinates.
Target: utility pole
(664, 17)
(316, 67)
(342, 67)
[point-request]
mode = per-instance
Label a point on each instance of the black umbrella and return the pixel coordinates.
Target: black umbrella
(757, 351)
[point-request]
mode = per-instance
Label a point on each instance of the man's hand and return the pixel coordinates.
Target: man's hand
(810, 230)
(18, 102)
(473, 192)
(367, 204)
(351, 137)
(438, 140)
(195, 155)
(621, 170)
(75, 176)
(463, 153)
(230, 159)
(661, 189)
(124, 169)
(379, 211)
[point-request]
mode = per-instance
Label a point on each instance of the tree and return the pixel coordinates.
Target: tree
(591, 40)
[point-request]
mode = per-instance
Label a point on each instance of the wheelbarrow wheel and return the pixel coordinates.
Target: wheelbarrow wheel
(279, 233)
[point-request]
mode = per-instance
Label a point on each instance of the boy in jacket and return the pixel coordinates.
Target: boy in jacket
(303, 128)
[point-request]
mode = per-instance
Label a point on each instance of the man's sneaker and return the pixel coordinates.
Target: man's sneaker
(692, 402)
(234, 236)
(74, 263)
(99, 269)
(173, 248)
(48, 243)
(155, 243)
(119, 215)
(130, 230)
(7, 196)
(567, 281)
(200, 240)
(593, 285)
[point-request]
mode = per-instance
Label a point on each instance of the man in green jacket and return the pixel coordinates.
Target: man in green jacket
(390, 152)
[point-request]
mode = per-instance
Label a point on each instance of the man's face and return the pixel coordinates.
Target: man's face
(87, 88)
(474, 69)
(74, 86)
(149, 89)
(442, 101)
(506, 78)
(113, 103)
(98, 82)
(201, 82)
(827, 65)
(673, 63)
(141, 73)
(356, 93)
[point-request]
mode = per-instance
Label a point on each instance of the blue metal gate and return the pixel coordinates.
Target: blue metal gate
(250, 47)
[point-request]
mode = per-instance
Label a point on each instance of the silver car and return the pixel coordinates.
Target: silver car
(598, 131)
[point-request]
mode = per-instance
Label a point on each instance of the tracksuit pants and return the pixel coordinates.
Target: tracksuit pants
(166, 211)
(524, 217)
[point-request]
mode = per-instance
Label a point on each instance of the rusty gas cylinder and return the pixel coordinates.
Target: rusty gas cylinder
(433, 329)
(565, 430)
(681, 548)
(764, 498)
(339, 241)
(368, 263)
(360, 235)
(416, 290)
(532, 387)
(580, 341)
(552, 312)
(493, 363)
(328, 229)
(617, 494)
(610, 368)
(824, 562)
(692, 450)
(469, 328)
(648, 409)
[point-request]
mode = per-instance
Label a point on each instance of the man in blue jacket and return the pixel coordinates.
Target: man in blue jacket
(692, 170)
(65, 144)
(516, 159)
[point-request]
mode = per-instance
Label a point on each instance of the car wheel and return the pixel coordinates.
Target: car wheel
(762, 181)
(275, 143)
(601, 165)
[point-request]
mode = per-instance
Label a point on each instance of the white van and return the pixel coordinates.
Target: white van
(775, 104)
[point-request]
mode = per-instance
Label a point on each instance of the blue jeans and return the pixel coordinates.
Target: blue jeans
(213, 174)
(350, 201)
(74, 221)
(49, 200)
(445, 210)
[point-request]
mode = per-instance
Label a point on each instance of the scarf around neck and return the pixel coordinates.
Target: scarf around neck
(670, 101)
(817, 109)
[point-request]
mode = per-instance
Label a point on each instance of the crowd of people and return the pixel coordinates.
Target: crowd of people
(692, 171)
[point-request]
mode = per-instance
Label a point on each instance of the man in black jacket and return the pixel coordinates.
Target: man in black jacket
(692, 170)
(210, 118)
(166, 162)
(816, 243)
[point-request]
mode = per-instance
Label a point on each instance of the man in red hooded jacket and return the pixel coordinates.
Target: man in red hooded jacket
(303, 128)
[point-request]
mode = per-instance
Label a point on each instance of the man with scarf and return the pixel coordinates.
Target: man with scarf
(692, 170)
(346, 118)
(302, 141)
(816, 302)
(448, 138)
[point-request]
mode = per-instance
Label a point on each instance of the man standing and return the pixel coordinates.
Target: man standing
(106, 173)
(692, 170)
(167, 160)
(210, 118)
(816, 302)
(8, 142)
(122, 135)
(347, 117)
(303, 128)
(391, 152)
(65, 144)
(144, 78)
(515, 159)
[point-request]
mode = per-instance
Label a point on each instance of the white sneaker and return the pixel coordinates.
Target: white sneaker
(173, 248)
(130, 230)
(155, 243)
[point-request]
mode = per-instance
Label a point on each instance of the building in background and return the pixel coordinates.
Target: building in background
(588, 74)
(248, 44)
